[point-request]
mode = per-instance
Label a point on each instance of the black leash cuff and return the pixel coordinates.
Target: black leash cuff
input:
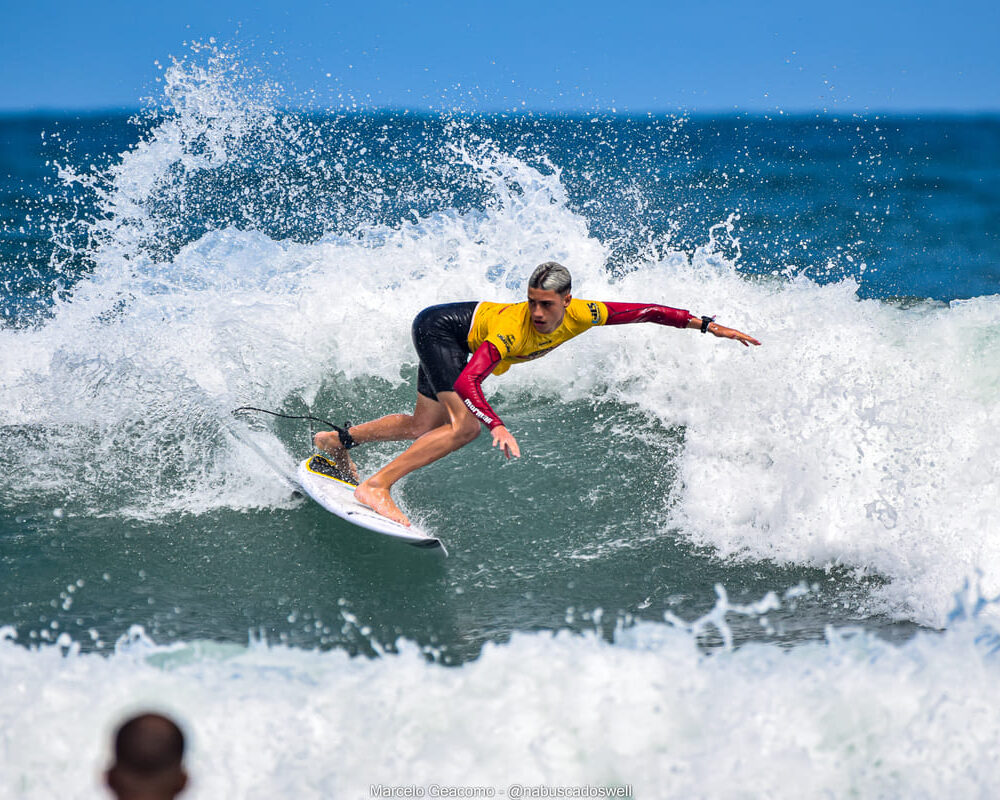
(345, 438)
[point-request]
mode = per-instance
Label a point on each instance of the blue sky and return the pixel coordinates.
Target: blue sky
(549, 56)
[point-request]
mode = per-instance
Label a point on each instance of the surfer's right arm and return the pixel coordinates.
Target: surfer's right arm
(469, 388)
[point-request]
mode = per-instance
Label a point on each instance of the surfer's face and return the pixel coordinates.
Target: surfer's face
(547, 309)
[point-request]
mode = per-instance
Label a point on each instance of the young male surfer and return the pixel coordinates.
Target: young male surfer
(450, 403)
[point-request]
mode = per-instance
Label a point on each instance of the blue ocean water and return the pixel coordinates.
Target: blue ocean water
(703, 545)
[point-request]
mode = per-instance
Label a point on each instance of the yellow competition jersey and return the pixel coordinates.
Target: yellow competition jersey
(508, 326)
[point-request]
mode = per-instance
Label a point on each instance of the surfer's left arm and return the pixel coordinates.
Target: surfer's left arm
(469, 388)
(625, 313)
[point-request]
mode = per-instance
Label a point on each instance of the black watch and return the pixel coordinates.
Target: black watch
(704, 323)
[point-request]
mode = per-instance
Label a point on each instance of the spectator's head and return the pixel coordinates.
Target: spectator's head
(149, 750)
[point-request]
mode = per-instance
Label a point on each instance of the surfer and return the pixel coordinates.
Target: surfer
(450, 404)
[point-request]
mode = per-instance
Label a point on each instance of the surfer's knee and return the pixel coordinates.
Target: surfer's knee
(466, 429)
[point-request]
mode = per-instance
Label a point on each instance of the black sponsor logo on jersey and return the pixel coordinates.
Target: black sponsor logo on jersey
(595, 313)
(507, 340)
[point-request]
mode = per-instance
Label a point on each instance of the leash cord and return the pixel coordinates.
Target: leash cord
(284, 416)
(345, 438)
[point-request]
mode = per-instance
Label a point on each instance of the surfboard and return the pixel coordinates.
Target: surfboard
(334, 491)
(324, 484)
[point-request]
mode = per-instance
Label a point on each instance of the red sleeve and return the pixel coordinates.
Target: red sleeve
(469, 385)
(623, 313)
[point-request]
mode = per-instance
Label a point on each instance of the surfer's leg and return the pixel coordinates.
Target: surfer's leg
(427, 415)
(459, 429)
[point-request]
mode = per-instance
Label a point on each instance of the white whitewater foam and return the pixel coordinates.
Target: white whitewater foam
(853, 717)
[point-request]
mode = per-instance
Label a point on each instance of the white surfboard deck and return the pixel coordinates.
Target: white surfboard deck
(318, 479)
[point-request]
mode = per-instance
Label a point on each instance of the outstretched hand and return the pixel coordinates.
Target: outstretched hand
(731, 333)
(503, 439)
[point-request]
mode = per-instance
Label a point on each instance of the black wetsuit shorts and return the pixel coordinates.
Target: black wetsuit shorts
(441, 338)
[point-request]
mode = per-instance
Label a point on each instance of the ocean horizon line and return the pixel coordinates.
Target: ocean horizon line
(791, 114)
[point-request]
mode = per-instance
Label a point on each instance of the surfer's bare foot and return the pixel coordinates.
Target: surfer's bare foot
(329, 443)
(379, 501)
